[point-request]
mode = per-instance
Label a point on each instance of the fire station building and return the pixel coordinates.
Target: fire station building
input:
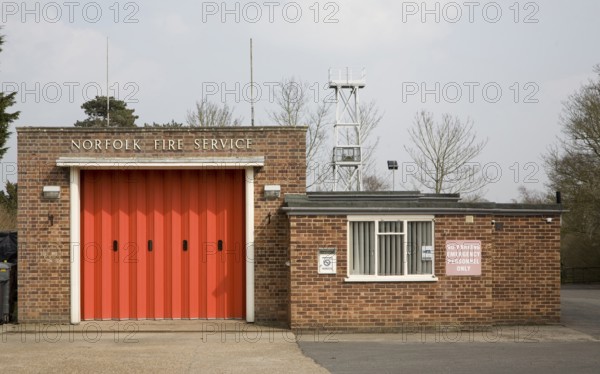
(215, 223)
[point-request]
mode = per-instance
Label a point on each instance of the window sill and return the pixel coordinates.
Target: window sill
(400, 278)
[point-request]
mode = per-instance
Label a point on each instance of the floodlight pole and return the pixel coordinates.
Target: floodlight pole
(393, 166)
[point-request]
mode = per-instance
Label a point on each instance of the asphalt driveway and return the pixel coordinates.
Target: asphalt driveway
(573, 347)
(581, 308)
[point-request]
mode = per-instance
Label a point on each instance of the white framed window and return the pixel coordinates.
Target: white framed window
(391, 248)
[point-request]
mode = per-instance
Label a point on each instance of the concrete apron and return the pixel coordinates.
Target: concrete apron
(227, 330)
(207, 346)
(546, 333)
(141, 326)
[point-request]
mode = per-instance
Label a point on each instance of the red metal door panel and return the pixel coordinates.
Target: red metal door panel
(124, 249)
(195, 255)
(185, 254)
(91, 251)
(104, 235)
(167, 247)
(221, 216)
(139, 265)
(210, 242)
(236, 260)
(233, 260)
(203, 245)
(163, 244)
(159, 246)
(177, 244)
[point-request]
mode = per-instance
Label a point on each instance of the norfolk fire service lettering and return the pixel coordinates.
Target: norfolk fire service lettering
(463, 257)
(133, 145)
(222, 144)
(105, 145)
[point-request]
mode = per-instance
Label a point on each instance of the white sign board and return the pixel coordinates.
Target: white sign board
(327, 261)
(427, 253)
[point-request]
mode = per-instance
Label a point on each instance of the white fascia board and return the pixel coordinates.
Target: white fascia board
(161, 163)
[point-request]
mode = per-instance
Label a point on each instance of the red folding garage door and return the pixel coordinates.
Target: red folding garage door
(162, 244)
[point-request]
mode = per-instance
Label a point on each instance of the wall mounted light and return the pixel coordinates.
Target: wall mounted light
(51, 192)
(272, 191)
(498, 226)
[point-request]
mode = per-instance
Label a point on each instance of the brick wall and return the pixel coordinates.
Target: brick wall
(44, 285)
(43, 262)
(504, 293)
(526, 283)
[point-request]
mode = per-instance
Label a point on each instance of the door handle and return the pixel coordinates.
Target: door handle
(149, 245)
(220, 245)
(185, 245)
(115, 245)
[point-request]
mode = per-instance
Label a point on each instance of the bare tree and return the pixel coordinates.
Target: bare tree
(292, 102)
(443, 154)
(208, 114)
(528, 196)
(374, 182)
(369, 118)
(293, 108)
(476, 197)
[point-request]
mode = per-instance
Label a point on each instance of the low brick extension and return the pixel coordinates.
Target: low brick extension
(519, 282)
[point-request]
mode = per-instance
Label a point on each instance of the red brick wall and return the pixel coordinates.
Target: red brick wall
(43, 263)
(327, 301)
(526, 284)
(43, 282)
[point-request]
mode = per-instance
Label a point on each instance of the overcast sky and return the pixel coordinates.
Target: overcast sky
(507, 66)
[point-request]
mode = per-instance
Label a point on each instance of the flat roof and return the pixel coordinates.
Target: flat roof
(141, 129)
(404, 202)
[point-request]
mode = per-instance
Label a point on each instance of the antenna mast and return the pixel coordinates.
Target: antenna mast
(347, 148)
(107, 93)
(251, 86)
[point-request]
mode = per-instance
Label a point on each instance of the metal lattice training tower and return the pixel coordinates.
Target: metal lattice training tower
(347, 149)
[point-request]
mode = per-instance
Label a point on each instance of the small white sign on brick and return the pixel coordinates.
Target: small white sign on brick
(327, 261)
